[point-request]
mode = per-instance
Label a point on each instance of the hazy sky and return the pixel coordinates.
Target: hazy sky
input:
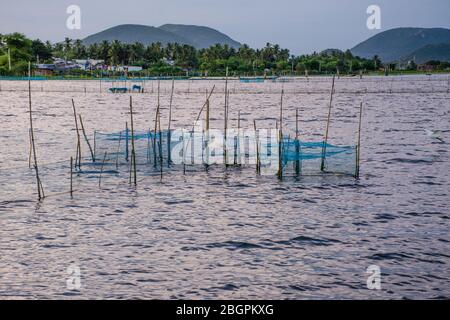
(299, 25)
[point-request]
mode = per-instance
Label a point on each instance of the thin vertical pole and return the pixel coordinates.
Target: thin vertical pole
(40, 190)
(257, 148)
(31, 149)
(86, 138)
(95, 144)
(160, 144)
(127, 148)
(207, 133)
(156, 124)
(133, 150)
(280, 140)
(358, 148)
(71, 177)
(184, 155)
(297, 145)
(239, 160)
(225, 120)
(169, 134)
(78, 155)
(325, 141)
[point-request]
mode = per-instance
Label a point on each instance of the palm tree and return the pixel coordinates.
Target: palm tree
(104, 52)
(114, 52)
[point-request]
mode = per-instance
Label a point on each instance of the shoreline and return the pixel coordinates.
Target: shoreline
(178, 78)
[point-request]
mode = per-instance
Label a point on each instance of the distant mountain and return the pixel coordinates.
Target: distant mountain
(199, 37)
(440, 52)
(331, 52)
(132, 33)
(395, 44)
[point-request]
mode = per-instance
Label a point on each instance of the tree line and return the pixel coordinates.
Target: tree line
(177, 59)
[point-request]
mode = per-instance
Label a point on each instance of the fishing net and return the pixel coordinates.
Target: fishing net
(241, 148)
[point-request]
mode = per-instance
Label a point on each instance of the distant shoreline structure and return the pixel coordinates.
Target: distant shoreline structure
(258, 79)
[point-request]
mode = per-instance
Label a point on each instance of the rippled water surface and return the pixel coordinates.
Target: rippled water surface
(229, 234)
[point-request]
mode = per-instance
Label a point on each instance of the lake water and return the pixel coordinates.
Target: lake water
(229, 234)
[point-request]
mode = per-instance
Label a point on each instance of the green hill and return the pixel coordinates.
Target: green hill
(395, 44)
(132, 33)
(197, 36)
(439, 52)
(201, 37)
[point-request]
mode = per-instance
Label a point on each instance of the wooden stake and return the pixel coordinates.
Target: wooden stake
(358, 147)
(86, 139)
(31, 149)
(239, 160)
(127, 152)
(71, 177)
(258, 169)
(297, 145)
(40, 189)
(193, 127)
(160, 143)
(169, 134)
(207, 134)
(325, 141)
(225, 120)
(133, 150)
(280, 140)
(78, 155)
(95, 144)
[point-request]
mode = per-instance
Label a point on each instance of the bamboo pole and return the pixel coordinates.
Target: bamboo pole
(40, 189)
(207, 134)
(193, 127)
(236, 137)
(325, 141)
(238, 148)
(184, 155)
(95, 144)
(78, 155)
(297, 145)
(358, 148)
(280, 140)
(258, 169)
(71, 177)
(169, 134)
(127, 148)
(156, 124)
(31, 150)
(225, 120)
(86, 139)
(133, 150)
(160, 144)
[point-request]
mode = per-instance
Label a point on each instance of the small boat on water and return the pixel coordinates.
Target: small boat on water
(256, 79)
(135, 88)
(118, 90)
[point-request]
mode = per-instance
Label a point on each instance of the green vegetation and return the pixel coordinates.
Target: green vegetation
(178, 60)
